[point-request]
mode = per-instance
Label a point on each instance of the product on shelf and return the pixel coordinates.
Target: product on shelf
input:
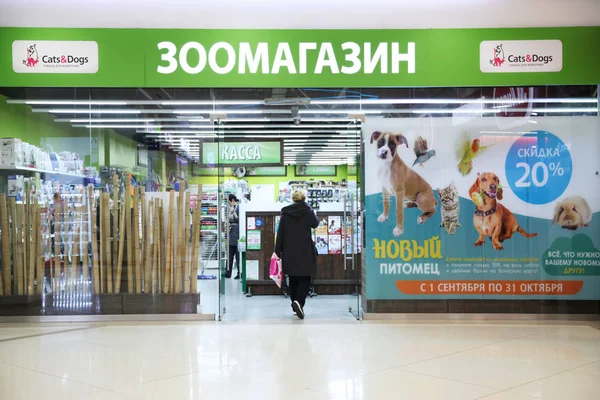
(14, 153)
(11, 153)
(209, 223)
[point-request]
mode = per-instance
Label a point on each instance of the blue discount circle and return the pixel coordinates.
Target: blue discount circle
(538, 167)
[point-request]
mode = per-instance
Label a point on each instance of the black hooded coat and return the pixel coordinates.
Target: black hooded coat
(294, 243)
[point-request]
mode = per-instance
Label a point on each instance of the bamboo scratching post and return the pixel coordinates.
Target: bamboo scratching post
(95, 267)
(83, 247)
(156, 250)
(102, 239)
(128, 235)
(107, 244)
(20, 255)
(32, 246)
(121, 247)
(6, 275)
(115, 215)
(39, 257)
(186, 245)
(179, 259)
(56, 250)
(169, 251)
(136, 242)
(148, 247)
(26, 241)
(195, 242)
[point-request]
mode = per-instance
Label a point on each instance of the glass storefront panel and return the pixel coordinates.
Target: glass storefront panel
(471, 212)
(92, 221)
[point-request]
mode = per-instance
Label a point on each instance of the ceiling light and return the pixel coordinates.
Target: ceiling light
(92, 111)
(148, 111)
(454, 111)
(334, 111)
(341, 101)
(325, 154)
(105, 120)
(329, 140)
(564, 110)
(366, 102)
(203, 120)
(295, 128)
(182, 136)
(288, 136)
(230, 133)
(139, 102)
(211, 102)
(99, 126)
(322, 147)
(318, 153)
(264, 137)
(188, 118)
(74, 102)
(232, 111)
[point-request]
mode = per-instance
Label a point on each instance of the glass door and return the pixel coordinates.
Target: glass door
(348, 252)
(222, 225)
(352, 221)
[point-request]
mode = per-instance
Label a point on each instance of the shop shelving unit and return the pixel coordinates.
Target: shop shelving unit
(209, 225)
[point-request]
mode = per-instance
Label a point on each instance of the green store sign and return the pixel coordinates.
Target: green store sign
(268, 171)
(316, 170)
(296, 58)
(266, 153)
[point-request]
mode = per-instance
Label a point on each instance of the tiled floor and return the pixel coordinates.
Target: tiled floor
(241, 308)
(315, 359)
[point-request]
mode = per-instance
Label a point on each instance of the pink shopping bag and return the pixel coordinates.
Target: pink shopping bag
(275, 270)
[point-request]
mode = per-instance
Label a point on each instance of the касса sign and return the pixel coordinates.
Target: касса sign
(263, 153)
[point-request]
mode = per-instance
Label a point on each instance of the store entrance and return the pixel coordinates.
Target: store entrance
(325, 167)
(132, 187)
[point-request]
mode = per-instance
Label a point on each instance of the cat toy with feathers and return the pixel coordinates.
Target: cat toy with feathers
(466, 150)
(422, 152)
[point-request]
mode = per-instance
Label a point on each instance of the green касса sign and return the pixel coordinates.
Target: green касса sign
(266, 153)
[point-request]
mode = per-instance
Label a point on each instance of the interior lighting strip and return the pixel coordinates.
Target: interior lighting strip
(287, 102)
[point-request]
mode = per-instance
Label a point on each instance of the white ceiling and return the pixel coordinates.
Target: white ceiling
(304, 14)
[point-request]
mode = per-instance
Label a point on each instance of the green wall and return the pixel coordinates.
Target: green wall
(122, 151)
(18, 121)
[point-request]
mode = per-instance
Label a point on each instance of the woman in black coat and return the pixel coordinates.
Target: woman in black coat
(234, 236)
(295, 247)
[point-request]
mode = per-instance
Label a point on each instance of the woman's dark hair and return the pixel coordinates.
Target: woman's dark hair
(233, 198)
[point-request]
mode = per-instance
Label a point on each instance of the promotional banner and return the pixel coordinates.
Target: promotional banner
(76, 57)
(458, 208)
(253, 240)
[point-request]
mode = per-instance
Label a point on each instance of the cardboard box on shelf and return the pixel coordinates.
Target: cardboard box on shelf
(16, 186)
(11, 152)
